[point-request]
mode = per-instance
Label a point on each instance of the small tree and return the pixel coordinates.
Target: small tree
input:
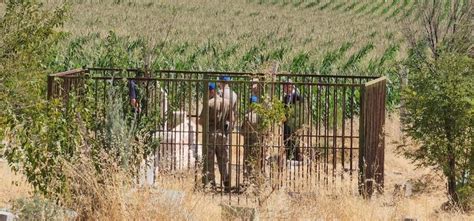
(28, 39)
(440, 117)
(437, 100)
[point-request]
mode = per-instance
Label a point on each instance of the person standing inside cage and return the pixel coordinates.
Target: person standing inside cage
(249, 131)
(133, 93)
(293, 102)
(226, 93)
(219, 116)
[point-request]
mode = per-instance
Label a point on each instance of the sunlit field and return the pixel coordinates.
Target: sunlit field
(302, 36)
(328, 37)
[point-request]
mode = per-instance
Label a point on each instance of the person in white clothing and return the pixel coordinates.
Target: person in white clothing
(227, 94)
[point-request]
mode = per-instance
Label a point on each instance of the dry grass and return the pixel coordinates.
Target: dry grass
(118, 200)
(12, 186)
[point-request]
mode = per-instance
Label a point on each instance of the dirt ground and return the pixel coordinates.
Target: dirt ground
(339, 202)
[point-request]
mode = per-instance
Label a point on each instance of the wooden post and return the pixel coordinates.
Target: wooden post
(371, 141)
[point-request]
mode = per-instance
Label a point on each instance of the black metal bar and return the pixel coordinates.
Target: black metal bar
(216, 81)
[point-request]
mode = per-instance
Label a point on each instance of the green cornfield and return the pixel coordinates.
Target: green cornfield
(316, 36)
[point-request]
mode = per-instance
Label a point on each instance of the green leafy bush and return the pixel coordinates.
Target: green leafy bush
(38, 208)
(440, 117)
(28, 40)
(35, 145)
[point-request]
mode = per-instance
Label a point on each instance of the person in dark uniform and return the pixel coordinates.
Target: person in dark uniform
(134, 96)
(292, 100)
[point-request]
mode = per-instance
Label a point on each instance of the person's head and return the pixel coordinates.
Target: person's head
(255, 87)
(224, 80)
(212, 89)
(288, 86)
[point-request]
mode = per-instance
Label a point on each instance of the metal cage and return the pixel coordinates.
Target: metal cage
(336, 134)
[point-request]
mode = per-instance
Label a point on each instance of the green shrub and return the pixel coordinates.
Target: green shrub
(440, 117)
(38, 208)
(28, 40)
